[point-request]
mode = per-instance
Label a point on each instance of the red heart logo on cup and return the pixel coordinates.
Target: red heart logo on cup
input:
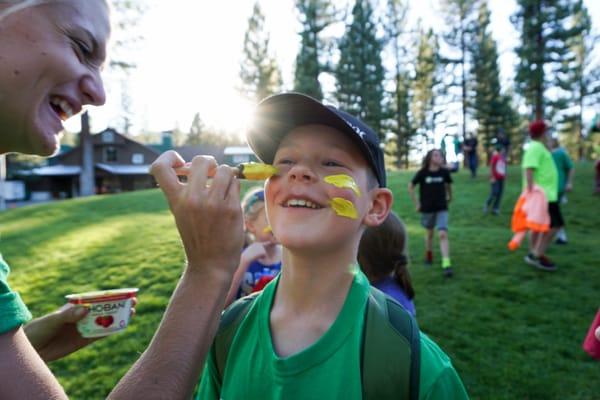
(105, 320)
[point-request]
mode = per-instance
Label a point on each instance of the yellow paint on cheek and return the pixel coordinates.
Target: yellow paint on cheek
(267, 229)
(343, 181)
(344, 208)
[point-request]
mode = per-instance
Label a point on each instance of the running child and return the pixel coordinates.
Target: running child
(497, 177)
(435, 192)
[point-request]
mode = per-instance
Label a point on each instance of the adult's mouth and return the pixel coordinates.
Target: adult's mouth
(64, 107)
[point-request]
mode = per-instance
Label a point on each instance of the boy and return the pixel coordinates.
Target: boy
(301, 337)
(564, 167)
(435, 193)
(539, 169)
(497, 176)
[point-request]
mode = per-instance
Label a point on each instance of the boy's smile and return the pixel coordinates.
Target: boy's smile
(298, 198)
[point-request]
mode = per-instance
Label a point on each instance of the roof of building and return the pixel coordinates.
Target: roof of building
(237, 150)
(120, 169)
(53, 170)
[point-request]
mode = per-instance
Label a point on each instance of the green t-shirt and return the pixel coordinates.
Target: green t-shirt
(328, 369)
(13, 311)
(563, 166)
(545, 175)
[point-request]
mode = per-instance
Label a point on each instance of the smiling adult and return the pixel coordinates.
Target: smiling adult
(51, 56)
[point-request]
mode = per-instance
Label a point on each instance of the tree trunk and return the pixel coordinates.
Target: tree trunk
(86, 178)
(464, 78)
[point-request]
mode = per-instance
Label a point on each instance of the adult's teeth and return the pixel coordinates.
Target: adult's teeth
(65, 108)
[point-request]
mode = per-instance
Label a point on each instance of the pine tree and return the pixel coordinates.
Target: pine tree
(583, 80)
(400, 122)
(360, 72)
(195, 137)
(315, 15)
(459, 16)
(544, 53)
(489, 104)
(426, 85)
(259, 72)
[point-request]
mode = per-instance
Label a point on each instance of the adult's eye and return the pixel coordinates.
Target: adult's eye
(84, 52)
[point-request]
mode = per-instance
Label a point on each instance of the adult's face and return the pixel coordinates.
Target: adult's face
(51, 55)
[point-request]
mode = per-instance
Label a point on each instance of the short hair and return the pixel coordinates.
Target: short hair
(537, 129)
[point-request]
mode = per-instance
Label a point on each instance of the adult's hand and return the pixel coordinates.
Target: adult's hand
(208, 217)
(55, 335)
(209, 221)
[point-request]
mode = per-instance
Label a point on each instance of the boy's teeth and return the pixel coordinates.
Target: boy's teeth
(301, 203)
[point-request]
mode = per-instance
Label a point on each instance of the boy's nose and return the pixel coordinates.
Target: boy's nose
(300, 172)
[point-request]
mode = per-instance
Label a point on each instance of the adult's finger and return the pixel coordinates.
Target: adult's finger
(198, 175)
(221, 182)
(163, 170)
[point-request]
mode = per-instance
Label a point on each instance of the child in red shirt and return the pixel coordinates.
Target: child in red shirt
(497, 175)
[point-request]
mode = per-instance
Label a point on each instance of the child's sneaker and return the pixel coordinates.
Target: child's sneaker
(496, 212)
(531, 260)
(546, 264)
(428, 258)
(448, 273)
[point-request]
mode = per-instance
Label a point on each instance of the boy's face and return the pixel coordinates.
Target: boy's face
(298, 199)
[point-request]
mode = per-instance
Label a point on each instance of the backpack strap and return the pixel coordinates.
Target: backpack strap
(230, 321)
(390, 358)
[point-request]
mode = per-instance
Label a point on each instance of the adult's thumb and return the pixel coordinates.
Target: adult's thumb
(75, 313)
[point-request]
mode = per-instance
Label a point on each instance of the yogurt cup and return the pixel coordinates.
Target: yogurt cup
(109, 311)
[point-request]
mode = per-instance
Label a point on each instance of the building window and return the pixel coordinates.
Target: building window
(137, 158)
(108, 137)
(110, 154)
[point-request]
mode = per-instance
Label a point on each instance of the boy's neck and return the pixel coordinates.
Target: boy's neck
(433, 167)
(308, 280)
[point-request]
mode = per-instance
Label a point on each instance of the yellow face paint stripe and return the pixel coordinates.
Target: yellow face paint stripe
(344, 208)
(343, 181)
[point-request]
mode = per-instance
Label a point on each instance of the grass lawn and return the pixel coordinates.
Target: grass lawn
(512, 332)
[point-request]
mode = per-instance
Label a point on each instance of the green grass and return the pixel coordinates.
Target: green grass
(512, 332)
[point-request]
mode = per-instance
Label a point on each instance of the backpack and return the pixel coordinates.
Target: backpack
(390, 353)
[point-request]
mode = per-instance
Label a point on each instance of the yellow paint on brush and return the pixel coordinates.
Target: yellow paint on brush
(344, 208)
(257, 171)
(343, 181)
(267, 229)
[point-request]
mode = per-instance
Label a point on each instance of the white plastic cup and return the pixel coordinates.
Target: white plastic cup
(109, 311)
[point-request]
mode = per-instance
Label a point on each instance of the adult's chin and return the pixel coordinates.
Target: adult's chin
(43, 143)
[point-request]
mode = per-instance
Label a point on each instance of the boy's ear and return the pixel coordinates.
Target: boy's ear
(381, 204)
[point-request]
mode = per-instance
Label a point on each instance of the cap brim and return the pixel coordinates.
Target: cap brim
(277, 115)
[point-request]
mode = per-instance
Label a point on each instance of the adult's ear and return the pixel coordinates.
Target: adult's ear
(381, 204)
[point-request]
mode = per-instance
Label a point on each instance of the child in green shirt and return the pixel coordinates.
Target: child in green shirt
(301, 337)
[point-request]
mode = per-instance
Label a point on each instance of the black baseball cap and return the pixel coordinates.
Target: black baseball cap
(277, 115)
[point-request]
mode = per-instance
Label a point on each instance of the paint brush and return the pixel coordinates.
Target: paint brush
(251, 171)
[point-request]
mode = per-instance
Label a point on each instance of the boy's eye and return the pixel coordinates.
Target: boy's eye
(284, 161)
(331, 163)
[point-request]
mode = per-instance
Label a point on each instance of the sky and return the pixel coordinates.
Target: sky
(188, 60)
